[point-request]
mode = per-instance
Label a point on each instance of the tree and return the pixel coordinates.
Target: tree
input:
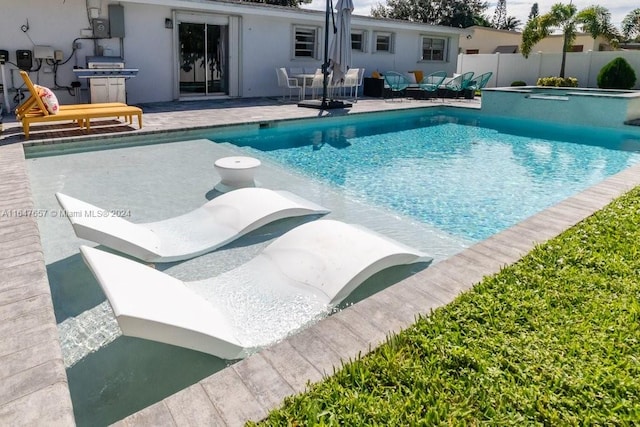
(452, 13)
(481, 21)
(534, 12)
(617, 74)
(595, 20)
(500, 15)
(512, 24)
(631, 25)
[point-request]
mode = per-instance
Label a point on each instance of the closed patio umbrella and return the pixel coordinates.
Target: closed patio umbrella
(340, 52)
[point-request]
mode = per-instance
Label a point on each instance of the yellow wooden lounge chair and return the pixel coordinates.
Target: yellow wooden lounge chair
(33, 110)
(31, 106)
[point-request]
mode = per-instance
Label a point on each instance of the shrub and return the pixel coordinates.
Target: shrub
(518, 83)
(617, 74)
(558, 81)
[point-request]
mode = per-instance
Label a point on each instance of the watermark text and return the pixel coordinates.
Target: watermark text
(61, 213)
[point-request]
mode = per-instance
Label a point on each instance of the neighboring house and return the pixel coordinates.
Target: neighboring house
(490, 40)
(194, 49)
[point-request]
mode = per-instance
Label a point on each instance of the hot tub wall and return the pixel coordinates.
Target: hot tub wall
(580, 107)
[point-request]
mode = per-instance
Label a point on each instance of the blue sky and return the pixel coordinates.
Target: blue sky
(518, 8)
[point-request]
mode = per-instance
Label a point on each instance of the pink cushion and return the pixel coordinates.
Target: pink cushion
(48, 98)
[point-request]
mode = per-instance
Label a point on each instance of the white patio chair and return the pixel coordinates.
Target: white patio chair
(360, 81)
(288, 83)
(317, 82)
(353, 81)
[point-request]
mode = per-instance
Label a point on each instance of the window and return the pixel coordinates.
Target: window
(577, 48)
(358, 40)
(472, 51)
(384, 42)
(432, 49)
(305, 42)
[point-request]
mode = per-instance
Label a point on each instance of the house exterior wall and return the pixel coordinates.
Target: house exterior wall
(486, 40)
(148, 46)
(553, 43)
(264, 40)
(56, 26)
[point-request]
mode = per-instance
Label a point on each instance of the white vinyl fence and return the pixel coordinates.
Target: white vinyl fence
(509, 67)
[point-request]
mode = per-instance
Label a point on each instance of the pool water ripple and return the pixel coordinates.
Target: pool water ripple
(467, 180)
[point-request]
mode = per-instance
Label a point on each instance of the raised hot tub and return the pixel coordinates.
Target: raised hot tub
(580, 106)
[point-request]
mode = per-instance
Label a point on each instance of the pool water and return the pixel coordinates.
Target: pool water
(469, 180)
(436, 182)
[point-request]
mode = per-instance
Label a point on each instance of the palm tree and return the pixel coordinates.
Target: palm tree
(631, 25)
(596, 20)
(512, 24)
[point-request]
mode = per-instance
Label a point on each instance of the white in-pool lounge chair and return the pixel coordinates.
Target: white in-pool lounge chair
(202, 230)
(294, 281)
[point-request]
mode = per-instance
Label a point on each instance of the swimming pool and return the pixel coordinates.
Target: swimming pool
(470, 176)
(127, 374)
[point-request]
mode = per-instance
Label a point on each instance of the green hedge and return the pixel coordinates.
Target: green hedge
(558, 81)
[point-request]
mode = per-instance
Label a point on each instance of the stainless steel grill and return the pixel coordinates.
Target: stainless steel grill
(107, 76)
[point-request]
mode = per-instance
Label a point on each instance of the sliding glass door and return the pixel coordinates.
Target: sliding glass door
(203, 57)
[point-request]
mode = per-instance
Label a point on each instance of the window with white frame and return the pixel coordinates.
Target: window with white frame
(433, 48)
(359, 40)
(305, 42)
(383, 42)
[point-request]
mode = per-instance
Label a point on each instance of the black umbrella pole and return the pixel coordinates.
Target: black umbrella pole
(325, 103)
(325, 65)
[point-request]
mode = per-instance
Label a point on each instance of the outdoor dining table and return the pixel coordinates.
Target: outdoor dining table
(303, 78)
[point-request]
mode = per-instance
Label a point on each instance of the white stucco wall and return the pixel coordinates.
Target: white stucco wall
(265, 43)
(148, 46)
(56, 26)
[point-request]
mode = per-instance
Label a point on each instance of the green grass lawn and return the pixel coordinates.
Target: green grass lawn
(551, 340)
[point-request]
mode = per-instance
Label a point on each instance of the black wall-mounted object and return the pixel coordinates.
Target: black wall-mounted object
(24, 59)
(4, 56)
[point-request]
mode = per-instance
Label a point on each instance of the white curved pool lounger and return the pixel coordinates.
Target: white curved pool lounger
(293, 282)
(202, 230)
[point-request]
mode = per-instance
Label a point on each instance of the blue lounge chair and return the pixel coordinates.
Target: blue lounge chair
(396, 82)
(431, 83)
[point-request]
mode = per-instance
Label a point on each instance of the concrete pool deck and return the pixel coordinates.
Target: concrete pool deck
(34, 381)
